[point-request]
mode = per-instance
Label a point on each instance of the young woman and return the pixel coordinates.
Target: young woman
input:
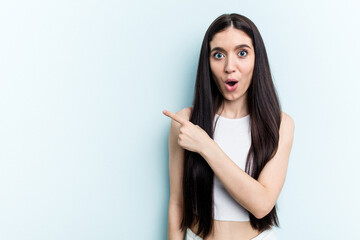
(229, 152)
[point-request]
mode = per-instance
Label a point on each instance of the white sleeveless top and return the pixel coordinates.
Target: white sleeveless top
(234, 138)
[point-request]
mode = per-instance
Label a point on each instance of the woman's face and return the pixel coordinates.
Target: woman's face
(232, 58)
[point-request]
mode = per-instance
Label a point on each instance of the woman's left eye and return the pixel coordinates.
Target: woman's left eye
(242, 53)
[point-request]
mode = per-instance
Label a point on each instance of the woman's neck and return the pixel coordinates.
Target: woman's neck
(233, 109)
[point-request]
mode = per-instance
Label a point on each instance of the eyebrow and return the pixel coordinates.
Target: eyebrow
(236, 47)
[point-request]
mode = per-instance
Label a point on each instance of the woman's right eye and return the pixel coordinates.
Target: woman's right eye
(218, 55)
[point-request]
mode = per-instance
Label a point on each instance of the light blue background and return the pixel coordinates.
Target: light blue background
(83, 141)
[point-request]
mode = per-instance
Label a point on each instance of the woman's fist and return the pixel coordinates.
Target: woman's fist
(191, 137)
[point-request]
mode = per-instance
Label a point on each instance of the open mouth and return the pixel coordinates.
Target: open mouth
(232, 83)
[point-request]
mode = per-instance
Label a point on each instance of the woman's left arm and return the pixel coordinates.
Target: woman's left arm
(257, 196)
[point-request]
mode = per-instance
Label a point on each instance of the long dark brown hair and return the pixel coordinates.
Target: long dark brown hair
(265, 115)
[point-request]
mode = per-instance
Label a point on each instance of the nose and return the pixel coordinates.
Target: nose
(230, 64)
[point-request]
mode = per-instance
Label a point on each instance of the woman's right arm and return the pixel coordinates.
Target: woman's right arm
(176, 167)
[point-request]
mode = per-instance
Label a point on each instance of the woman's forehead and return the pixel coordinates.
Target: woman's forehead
(230, 37)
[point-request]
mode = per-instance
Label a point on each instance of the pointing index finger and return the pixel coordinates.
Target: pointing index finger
(175, 117)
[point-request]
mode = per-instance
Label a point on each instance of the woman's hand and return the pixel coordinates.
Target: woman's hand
(191, 137)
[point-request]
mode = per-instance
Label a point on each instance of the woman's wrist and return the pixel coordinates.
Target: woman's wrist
(208, 148)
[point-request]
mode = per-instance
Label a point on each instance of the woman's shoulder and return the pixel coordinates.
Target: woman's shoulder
(287, 119)
(287, 125)
(185, 113)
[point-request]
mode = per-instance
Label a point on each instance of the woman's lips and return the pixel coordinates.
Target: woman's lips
(230, 86)
(230, 80)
